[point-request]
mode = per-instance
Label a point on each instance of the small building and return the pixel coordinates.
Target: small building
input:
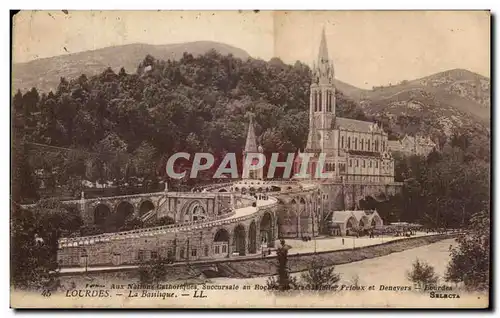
(412, 145)
(344, 223)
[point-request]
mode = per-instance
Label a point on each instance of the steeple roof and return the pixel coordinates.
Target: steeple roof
(323, 68)
(312, 139)
(323, 49)
(251, 143)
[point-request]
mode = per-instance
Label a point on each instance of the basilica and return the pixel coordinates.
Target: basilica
(356, 151)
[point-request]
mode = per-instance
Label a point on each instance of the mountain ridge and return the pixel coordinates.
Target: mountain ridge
(455, 89)
(45, 73)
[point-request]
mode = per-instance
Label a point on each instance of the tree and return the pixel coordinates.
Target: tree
(23, 178)
(35, 238)
(471, 258)
(132, 224)
(320, 277)
(29, 264)
(422, 274)
(142, 159)
(54, 220)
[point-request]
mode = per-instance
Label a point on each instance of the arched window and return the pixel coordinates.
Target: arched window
(342, 142)
(349, 142)
(315, 101)
(369, 143)
(332, 96)
(330, 101)
(320, 102)
(362, 143)
(327, 104)
(356, 143)
(196, 213)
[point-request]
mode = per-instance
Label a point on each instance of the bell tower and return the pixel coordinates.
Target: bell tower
(321, 109)
(322, 98)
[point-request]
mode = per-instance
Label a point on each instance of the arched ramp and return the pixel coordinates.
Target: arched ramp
(239, 240)
(266, 229)
(145, 207)
(252, 238)
(101, 214)
(221, 244)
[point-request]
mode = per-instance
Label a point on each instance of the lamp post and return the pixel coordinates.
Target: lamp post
(314, 236)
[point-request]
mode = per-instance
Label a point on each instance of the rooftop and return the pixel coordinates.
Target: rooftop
(356, 125)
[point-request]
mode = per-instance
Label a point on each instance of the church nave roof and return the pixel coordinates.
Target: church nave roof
(356, 125)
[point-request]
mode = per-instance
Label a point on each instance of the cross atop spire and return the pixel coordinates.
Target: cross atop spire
(251, 143)
(323, 49)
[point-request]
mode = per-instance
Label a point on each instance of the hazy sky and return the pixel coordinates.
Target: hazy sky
(368, 48)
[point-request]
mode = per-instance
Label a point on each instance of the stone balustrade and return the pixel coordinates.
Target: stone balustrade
(120, 197)
(216, 186)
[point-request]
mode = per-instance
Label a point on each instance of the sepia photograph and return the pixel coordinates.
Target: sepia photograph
(250, 159)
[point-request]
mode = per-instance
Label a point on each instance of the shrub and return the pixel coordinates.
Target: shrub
(470, 259)
(320, 277)
(153, 272)
(422, 274)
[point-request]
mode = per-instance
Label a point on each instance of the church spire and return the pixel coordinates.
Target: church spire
(251, 143)
(323, 49)
(312, 139)
(323, 72)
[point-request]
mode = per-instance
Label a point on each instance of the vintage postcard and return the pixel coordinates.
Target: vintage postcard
(250, 159)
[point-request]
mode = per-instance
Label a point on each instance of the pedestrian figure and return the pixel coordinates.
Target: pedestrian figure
(342, 241)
